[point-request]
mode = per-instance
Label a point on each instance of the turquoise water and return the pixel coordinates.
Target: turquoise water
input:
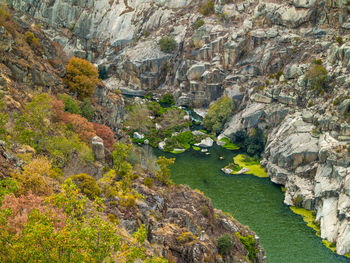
(255, 202)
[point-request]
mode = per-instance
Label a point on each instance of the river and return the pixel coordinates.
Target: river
(255, 202)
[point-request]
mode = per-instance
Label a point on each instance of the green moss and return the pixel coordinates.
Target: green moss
(229, 145)
(196, 148)
(329, 245)
(283, 189)
(253, 166)
(249, 243)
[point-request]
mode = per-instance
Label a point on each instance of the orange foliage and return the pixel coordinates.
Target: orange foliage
(82, 77)
(105, 133)
(23, 205)
(58, 109)
(80, 125)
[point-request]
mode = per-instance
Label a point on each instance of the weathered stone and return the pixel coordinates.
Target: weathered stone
(98, 149)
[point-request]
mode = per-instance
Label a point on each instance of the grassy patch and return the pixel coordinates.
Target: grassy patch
(308, 217)
(229, 145)
(253, 166)
(196, 148)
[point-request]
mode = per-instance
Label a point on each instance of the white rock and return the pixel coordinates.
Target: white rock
(206, 143)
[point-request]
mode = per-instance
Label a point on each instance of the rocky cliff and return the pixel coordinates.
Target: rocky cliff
(284, 63)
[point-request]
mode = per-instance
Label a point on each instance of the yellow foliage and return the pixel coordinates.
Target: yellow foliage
(186, 237)
(35, 177)
(82, 77)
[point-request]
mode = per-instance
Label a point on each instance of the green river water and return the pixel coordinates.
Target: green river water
(255, 202)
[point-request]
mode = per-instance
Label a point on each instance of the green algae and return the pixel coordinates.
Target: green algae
(196, 148)
(253, 166)
(229, 145)
(308, 217)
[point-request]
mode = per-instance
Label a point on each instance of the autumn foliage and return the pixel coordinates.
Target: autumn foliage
(80, 125)
(82, 77)
(105, 133)
(23, 205)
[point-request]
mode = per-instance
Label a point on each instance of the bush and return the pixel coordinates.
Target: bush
(87, 184)
(163, 174)
(34, 177)
(167, 100)
(317, 77)
(218, 114)
(167, 44)
(82, 77)
(148, 181)
(81, 126)
(106, 134)
(207, 8)
(249, 243)
(102, 72)
(3, 122)
(198, 23)
(340, 40)
(252, 144)
(225, 244)
(70, 104)
(87, 111)
(32, 41)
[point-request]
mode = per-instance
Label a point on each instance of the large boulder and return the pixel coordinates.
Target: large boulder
(98, 149)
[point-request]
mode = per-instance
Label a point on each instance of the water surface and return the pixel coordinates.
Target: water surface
(255, 202)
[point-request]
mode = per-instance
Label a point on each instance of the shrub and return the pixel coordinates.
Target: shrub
(32, 41)
(205, 211)
(34, 177)
(3, 122)
(102, 72)
(148, 181)
(339, 40)
(128, 200)
(87, 111)
(167, 44)
(70, 104)
(218, 114)
(82, 77)
(105, 133)
(87, 185)
(207, 8)
(317, 77)
(225, 244)
(163, 174)
(252, 144)
(186, 237)
(249, 243)
(81, 126)
(167, 100)
(198, 23)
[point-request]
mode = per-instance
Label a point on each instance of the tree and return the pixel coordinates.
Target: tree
(33, 126)
(119, 155)
(82, 77)
(163, 174)
(317, 76)
(138, 118)
(218, 114)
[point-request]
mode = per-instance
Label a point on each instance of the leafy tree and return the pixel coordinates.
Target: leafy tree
(163, 174)
(138, 118)
(218, 114)
(82, 77)
(225, 244)
(33, 126)
(119, 156)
